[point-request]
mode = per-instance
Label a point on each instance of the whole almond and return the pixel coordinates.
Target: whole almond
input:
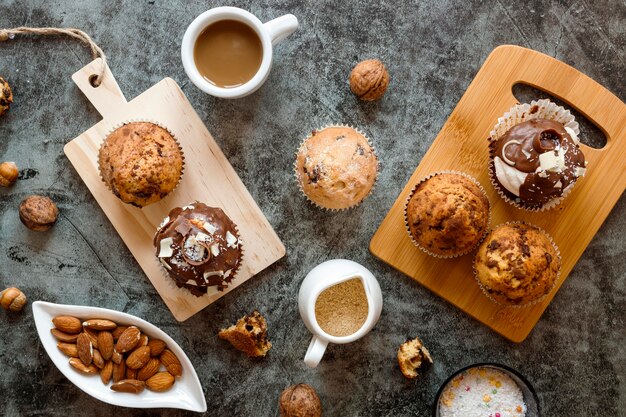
(98, 360)
(119, 371)
(131, 373)
(106, 372)
(171, 363)
(93, 336)
(99, 324)
(79, 365)
(105, 344)
(160, 382)
(138, 358)
(118, 332)
(151, 368)
(117, 357)
(85, 348)
(128, 340)
(64, 337)
(69, 349)
(143, 340)
(128, 385)
(156, 347)
(67, 324)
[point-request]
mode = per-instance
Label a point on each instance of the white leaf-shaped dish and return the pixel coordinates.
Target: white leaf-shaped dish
(186, 394)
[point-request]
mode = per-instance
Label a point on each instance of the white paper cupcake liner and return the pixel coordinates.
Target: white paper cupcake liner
(537, 109)
(533, 302)
(142, 120)
(299, 179)
(406, 217)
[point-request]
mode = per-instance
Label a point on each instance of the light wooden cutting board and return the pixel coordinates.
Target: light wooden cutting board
(462, 145)
(208, 177)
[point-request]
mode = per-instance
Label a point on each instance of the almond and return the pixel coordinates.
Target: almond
(64, 337)
(131, 373)
(98, 360)
(69, 349)
(105, 344)
(118, 332)
(79, 365)
(128, 340)
(138, 358)
(119, 371)
(171, 363)
(85, 348)
(106, 372)
(156, 347)
(128, 385)
(151, 368)
(160, 382)
(93, 336)
(117, 357)
(143, 340)
(67, 324)
(99, 324)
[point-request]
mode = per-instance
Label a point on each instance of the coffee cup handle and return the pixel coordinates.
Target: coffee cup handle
(281, 27)
(315, 352)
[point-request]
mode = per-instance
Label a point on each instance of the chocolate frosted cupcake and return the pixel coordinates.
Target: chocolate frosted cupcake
(517, 264)
(140, 162)
(447, 214)
(336, 167)
(199, 247)
(535, 155)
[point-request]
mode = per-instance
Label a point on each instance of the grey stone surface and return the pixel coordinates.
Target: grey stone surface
(575, 357)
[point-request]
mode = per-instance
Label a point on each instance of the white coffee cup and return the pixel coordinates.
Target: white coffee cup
(269, 33)
(326, 275)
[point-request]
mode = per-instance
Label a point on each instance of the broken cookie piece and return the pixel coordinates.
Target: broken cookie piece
(412, 356)
(248, 335)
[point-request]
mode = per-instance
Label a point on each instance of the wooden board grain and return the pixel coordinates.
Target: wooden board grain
(462, 145)
(208, 177)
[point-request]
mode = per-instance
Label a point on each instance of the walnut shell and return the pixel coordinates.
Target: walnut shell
(300, 400)
(369, 80)
(12, 299)
(8, 174)
(38, 213)
(6, 96)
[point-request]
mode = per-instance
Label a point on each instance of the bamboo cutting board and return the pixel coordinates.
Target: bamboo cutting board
(462, 145)
(207, 177)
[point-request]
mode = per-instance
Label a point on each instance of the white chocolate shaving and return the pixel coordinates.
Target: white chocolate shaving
(507, 160)
(558, 184)
(169, 268)
(209, 227)
(579, 172)
(208, 274)
(547, 161)
(227, 273)
(572, 134)
(231, 240)
(191, 282)
(166, 248)
(164, 222)
(215, 249)
(201, 237)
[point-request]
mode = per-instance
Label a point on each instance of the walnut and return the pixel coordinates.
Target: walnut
(300, 400)
(6, 96)
(369, 80)
(12, 299)
(8, 174)
(38, 213)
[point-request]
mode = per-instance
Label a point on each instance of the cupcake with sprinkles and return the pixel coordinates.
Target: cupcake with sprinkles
(199, 247)
(535, 155)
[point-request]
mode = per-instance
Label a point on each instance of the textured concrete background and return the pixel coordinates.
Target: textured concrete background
(575, 357)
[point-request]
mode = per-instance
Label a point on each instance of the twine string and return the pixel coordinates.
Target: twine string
(96, 52)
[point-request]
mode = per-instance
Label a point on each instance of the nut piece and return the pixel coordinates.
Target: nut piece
(171, 363)
(412, 356)
(118, 332)
(369, 80)
(156, 347)
(128, 385)
(138, 358)
(160, 382)
(151, 368)
(6, 96)
(106, 373)
(98, 360)
(67, 324)
(85, 348)
(119, 371)
(8, 174)
(93, 336)
(12, 299)
(79, 365)
(69, 349)
(38, 213)
(105, 344)
(117, 357)
(300, 400)
(64, 337)
(128, 340)
(100, 324)
(131, 373)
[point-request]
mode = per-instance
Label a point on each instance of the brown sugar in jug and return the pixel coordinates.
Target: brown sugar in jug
(342, 309)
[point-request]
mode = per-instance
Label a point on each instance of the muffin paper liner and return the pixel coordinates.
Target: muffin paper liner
(533, 302)
(141, 120)
(516, 115)
(406, 217)
(296, 173)
(211, 290)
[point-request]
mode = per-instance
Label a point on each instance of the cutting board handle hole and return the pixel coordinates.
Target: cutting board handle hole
(92, 80)
(590, 134)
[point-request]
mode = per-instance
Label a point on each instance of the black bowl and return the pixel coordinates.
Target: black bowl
(530, 396)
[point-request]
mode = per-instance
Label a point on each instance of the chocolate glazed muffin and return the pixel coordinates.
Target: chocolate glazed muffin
(199, 247)
(536, 162)
(141, 163)
(517, 264)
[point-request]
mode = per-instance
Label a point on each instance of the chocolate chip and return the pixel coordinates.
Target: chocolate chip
(548, 258)
(493, 245)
